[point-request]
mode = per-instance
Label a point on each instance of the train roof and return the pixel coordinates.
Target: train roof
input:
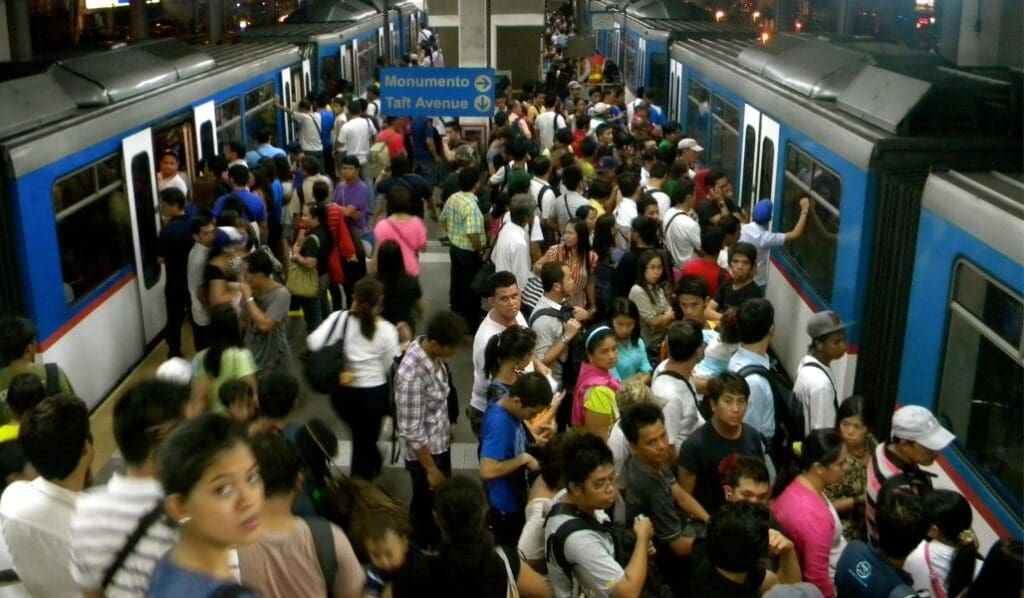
(853, 94)
(988, 205)
(97, 93)
(659, 9)
(347, 11)
(675, 29)
(318, 33)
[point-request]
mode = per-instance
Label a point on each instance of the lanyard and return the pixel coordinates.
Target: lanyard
(937, 586)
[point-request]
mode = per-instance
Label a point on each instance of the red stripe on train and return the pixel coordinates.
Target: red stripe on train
(814, 307)
(972, 497)
(81, 315)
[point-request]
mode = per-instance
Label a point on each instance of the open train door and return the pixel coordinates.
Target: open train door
(205, 116)
(140, 176)
(760, 158)
(307, 79)
(286, 100)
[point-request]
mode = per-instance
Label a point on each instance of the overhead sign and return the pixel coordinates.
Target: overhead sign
(602, 21)
(436, 92)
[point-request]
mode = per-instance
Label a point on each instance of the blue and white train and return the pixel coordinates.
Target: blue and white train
(858, 126)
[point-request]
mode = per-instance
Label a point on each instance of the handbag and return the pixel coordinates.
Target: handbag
(324, 366)
(482, 280)
(302, 281)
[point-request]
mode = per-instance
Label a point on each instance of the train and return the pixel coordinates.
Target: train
(859, 126)
(86, 133)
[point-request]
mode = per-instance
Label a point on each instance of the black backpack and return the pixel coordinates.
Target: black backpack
(789, 414)
(577, 353)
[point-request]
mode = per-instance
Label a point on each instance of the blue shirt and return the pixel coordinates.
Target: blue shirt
(252, 201)
(171, 580)
(253, 157)
(761, 404)
(277, 202)
(326, 126)
(421, 130)
(862, 571)
(632, 360)
(502, 438)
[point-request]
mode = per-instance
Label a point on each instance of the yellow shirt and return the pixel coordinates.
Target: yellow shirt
(597, 206)
(8, 432)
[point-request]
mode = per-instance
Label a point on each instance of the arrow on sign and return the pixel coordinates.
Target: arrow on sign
(482, 104)
(482, 83)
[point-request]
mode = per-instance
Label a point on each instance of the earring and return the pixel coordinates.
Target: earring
(184, 521)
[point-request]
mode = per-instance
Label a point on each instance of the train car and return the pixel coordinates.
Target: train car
(79, 206)
(966, 327)
(857, 126)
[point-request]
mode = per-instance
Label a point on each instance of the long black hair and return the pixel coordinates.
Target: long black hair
(515, 342)
(582, 242)
(225, 332)
(367, 296)
(468, 564)
(1002, 572)
(951, 514)
(604, 236)
(641, 273)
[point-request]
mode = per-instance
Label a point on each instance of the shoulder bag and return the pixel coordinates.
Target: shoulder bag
(302, 281)
(324, 366)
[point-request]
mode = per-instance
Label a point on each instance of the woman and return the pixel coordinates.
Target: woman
(371, 345)
(944, 563)
(402, 293)
(588, 214)
(404, 228)
(633, 363)
(468, 563)
(311, 250)
(651, 300)
(608, 256)
(226, 359)
(224, 265)
(286, 176)
(848, 495)
(215, 495)
(574, 251)
(593, 403)
(805, 514)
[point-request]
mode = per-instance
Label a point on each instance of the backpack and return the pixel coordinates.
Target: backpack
(702, 406)
(323, 542)
(378, 160)
(622, 538)
(789, 414)
(576, 355)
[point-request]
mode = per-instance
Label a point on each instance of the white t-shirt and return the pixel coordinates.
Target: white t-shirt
(817, 392)
(592, 555)
(664, 203)
(547, 203)
(176, 181)
(625, 212)
(531, 539)
(36, 519)
(760, 237)
(488, 328)
(682, 417)
(369, 360)
(620, 448)
(546, 124)
(357, 137)
(941, 559)
(682, 235)
(512, 253)
(536, 230)
(309, 131)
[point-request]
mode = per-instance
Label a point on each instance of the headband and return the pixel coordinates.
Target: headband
(593, 332)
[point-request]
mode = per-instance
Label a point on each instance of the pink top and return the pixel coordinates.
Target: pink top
(806, 518)
(411, 236)
(590, 376)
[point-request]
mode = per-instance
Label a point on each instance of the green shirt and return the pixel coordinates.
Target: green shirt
(461, 215)
(235, 363)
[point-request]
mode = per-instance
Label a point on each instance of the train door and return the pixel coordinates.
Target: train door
(675, 84)
(287, 86)
(396, 43)
(641, 62)
(356, 84)
(760, 157)
(346, 63)
(142, 200)
(206, 130)
(307, 80)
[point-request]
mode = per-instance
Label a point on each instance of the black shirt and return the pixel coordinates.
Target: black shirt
(400, 299)
(173, 245)
(727, 296)
(709, 208)
(704, 450)
(417, 187)
(709, 583)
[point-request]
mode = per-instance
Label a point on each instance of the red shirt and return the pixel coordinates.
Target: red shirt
(394, 140)
(710, 271)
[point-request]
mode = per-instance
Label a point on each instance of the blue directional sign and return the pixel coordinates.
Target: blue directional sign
(436, 92)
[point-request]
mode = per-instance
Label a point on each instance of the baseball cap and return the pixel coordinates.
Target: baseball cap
(689, 144)
(607, 164)
(600, 108)
(916, 423)
(175, 370)
(575, 85)
(465, 155)
(824, 322)
(226, 236)
(762, 212)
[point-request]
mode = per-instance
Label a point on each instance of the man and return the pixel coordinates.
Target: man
(18, 351)
(422, 387)
(169, 176)
(504, 461)
(814, 385)
(565, 206)
(689, 153)
(553, 334)
(735, 292)
(671, 135)
(626, 210)
(264, 149)
(202, 236)
(705, 266)
(518, 150)
(756, 233)
(464, 225)
(548, 122)
(598, 112)
(106, 516)
(863, 571)
(357, 136)
(580, 550)
(545, 194)
(234, 153)
(725, 434)
(652, 489)
(250, 207)
(756, 319)
(393, 136)
(291, 556)
(373, 103)
(339, 106)
(173, 247)
(672, 382)
(265, 313)
(719, 201)
(512, 249)
(916, 439)
(682, 233)
(353, 196)
(311, 174)
(425, 151)
(36, 515)
(653, 188)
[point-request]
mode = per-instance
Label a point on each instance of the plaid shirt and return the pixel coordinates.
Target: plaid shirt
(421, 403)
(461, 216)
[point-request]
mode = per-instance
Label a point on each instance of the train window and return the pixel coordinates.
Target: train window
(764, 186)
(94, 233)
(749, 151)
(658, 76)
(206, 139)
(983, 379)
(814, 253)
(367, 61)
(229, 121)
(328, 75)
(260, 113)
(145, 218)
(697, 112)
(629, 60)
(725, 137)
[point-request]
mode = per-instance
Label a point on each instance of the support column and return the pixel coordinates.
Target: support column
(139, 30)
(215, 20)
(5, 36)
(18, 28)
(473, 33)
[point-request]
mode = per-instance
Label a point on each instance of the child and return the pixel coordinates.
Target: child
(25, 392)
(743, 267)
(395, 564)
(238, 400)
(633, 363)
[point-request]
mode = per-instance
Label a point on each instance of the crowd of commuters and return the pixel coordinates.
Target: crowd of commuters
(630, 435)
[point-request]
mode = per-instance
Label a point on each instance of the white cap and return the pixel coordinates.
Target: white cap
(689, 144)
(916, 423)
(601, 108)
(175, 370)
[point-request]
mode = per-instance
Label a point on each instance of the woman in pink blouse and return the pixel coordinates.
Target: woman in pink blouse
(805, 514)
(403, 228)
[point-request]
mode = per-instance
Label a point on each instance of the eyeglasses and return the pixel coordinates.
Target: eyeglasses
(605, 483)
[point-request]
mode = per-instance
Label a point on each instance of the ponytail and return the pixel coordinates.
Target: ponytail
(514, 342)
(951, 514)
(366, 299)
(820, 446)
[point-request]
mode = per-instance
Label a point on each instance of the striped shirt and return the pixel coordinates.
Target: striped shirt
(462, 218)
(104, 519)
(887, 471)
